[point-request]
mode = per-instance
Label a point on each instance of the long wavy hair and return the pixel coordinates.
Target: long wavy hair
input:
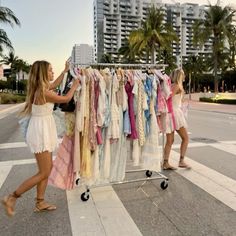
(37, 84)
(177, 77)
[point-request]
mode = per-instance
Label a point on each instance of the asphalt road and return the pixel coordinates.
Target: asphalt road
(201, 201)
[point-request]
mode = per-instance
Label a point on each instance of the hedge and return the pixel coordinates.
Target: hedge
(219, 100)
(8, 98)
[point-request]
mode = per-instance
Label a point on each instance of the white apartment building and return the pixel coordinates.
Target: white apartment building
(82, 54)
(113, 22)
(182, 17)
(115, 19)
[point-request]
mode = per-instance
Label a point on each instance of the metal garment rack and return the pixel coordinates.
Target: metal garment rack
(164, 183)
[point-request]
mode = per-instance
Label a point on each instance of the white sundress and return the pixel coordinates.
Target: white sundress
(41, 133)
(179, 117)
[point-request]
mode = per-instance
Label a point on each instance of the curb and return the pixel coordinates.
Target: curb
(13, 107)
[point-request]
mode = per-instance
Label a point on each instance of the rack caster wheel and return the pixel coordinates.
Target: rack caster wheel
(164, 184)
(77, 181)
(148, 173)
(84, 197)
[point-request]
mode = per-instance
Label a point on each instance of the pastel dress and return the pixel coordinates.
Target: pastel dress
(178, 115)
(41, 133)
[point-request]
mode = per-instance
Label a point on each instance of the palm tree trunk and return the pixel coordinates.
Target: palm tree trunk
(215, 77)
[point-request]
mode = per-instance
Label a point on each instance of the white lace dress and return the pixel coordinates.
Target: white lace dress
(41, 133)
(179, 118)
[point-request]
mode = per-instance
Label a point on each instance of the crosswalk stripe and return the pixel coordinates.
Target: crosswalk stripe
(4, 171)
(216, 184)
(94, 216)
(12, 145)
(226, 147)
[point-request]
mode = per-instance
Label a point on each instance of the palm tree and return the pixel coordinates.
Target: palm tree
(128, 53)
(152, 35)
(10, 59)
(106, 58)
(195, 66)
(216, 25)
(6, 17)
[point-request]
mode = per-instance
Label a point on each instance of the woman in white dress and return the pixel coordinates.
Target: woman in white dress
(178, 123)
(41, 135)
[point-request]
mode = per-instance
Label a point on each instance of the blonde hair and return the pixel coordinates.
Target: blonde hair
(37, 84)
(177, 77)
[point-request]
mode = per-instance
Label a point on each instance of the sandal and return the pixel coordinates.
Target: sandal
(167, 166)
(182, 164)
(9, 203)
(42, 206)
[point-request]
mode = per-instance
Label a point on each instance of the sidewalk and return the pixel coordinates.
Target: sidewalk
(211, 107)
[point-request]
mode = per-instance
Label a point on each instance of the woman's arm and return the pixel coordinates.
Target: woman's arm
(54, 98)
(58, 81)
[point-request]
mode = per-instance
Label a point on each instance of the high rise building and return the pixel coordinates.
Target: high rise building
(113, 22)
(115, 19)
(182, 17)
(82, 54)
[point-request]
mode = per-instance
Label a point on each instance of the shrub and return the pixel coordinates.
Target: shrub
(7, 98)
(219, 100)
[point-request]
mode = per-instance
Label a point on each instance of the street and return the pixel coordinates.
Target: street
(200, 201)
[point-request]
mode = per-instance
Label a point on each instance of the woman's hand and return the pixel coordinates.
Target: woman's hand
(67, 67)
(76, 83)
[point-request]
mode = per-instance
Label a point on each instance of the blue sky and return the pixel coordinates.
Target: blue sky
(50, 28)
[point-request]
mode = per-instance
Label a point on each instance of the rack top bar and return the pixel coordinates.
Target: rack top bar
(126, 65)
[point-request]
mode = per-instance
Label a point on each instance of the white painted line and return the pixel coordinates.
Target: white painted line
(103, 214)
(11, 108)
(228, 142)
(84, 218)
(17, 144)
(226, 147)
(12, 145)
(191, 145)
(219, 186)
(114, 217)
(17, 162)
(4, 171)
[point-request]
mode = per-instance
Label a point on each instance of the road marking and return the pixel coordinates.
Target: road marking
(12, 145)
(17, 144)
(94, 216)
(226, 147)
(216, 184)
(4, 171)
(5, 112)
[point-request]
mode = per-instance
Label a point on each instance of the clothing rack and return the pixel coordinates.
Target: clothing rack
(148, 173)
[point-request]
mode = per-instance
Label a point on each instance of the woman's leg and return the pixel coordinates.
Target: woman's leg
(41, 205)
(167, 149)
(44, 161)
(42, 185)
(183, 147)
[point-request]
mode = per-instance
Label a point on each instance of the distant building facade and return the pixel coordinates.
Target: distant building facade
(115, 19)
(82, 54)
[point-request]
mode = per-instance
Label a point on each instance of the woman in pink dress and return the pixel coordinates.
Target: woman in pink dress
(179, 123)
